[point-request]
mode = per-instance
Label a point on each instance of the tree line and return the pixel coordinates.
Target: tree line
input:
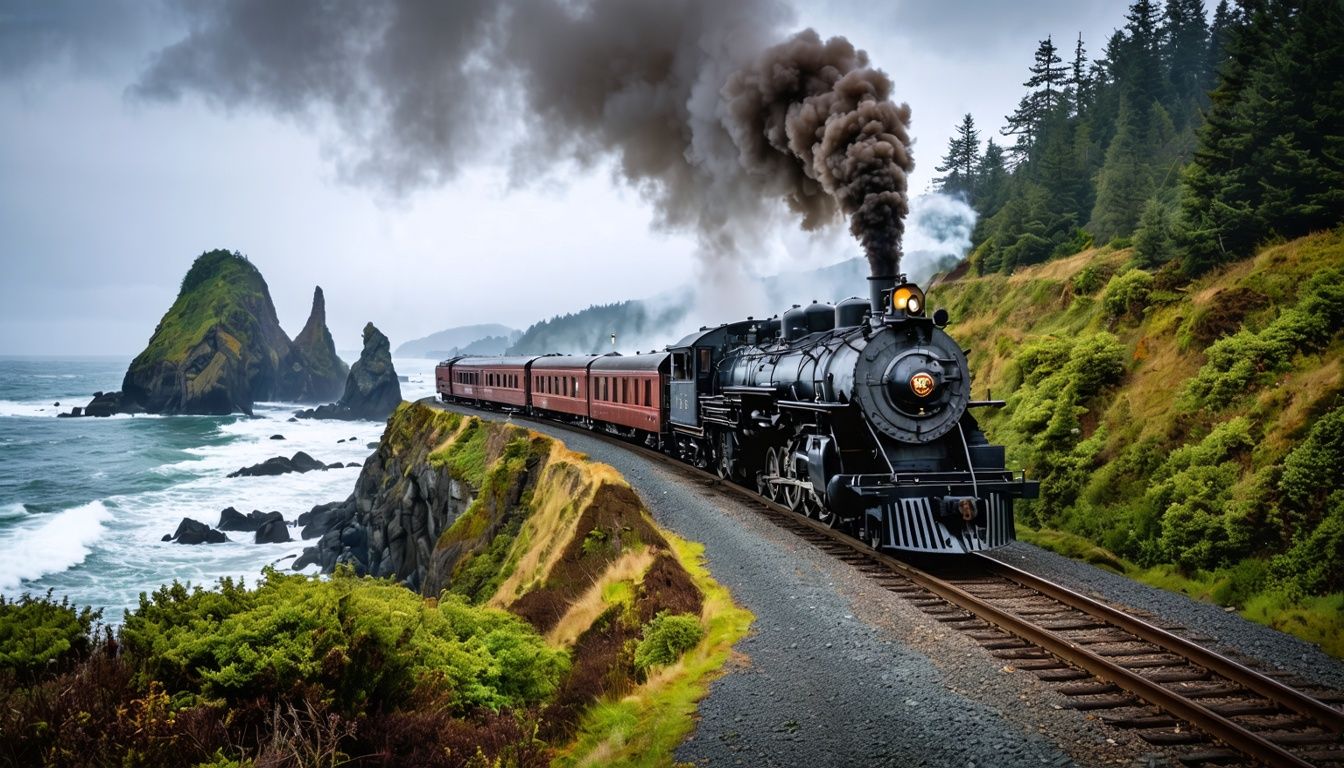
(1194, 140)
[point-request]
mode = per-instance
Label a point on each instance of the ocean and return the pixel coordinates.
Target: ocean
(84, 503)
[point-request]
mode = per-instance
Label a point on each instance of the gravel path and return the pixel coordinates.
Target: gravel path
(837, 670)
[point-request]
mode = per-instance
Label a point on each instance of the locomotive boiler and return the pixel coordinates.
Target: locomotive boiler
(857, 414)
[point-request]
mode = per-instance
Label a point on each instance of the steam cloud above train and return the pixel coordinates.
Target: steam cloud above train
(706, 108)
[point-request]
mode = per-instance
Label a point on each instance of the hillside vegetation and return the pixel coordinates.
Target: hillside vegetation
(569, 630)
(1190, 433)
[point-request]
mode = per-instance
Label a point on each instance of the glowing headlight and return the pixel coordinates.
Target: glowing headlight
(900, 298)
(912, 305)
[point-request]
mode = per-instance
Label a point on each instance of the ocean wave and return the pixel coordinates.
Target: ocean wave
(19, 408)
(51, 544)
(13, 511)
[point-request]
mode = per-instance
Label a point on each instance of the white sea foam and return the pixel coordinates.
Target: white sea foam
(50, 543)
(13, 511)
(44, 409)
(111, 570)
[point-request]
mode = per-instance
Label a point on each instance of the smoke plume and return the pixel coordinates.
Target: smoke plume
(697, 102)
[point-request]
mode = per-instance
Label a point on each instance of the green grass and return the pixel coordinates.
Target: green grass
(645, 727)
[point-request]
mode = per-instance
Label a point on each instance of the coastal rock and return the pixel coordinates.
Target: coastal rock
(402, 503)
(103, 404)
(231, 519)
(273, 529)
(217, 349)
(313, 373)
(277, 437)
(371, 390)
(195, 532)
(299, 462)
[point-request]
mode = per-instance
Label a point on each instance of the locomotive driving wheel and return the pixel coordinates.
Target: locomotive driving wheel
(791, 494)
(763, 486)
(723, 466)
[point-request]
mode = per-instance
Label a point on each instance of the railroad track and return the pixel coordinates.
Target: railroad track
(1173, 692)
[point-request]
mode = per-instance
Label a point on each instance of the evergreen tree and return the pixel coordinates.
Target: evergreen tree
(1223, 21)
(1047, 95)
(1141, 72)
(1079, 85)
(961, 162)
(1124, 182)
(1153, 239)
(991, 181)
(1185, 36)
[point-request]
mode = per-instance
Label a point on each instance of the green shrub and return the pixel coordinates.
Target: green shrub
(1238, 364)
(1127, 294)
(1095, 362)
(1191, 492)
(1090, 279)
(1316, 466)
(363, 643)
(665, 638)
(39, 635)
(1315, 564)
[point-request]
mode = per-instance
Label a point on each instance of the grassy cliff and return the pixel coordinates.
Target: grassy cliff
(566, 544)
(1189, 433)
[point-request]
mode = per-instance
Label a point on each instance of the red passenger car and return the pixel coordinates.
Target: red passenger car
(498, 380)
(627, 391)
(560, 384)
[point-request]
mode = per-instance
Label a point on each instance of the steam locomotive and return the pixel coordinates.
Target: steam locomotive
(857, 414)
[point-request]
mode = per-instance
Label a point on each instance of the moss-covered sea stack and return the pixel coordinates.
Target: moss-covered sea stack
(220, 348)
(217, 349)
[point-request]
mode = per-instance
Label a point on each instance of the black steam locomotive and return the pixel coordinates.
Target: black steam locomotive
(857, 414)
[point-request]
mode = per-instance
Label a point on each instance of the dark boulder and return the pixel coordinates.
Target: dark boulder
(195, 532)
(273, 530)
(231, 519)
(299, 462)
(277, 437)
(371, 390)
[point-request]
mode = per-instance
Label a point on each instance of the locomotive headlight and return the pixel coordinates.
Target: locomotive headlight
(908, 299)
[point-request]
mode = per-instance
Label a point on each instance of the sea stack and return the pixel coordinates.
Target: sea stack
(217, 349)
(313, 373)
(372, 390)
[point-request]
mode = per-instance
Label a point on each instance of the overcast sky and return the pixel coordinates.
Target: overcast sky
(106, 196)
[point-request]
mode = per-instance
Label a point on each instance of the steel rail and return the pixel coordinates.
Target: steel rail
(1290, 698)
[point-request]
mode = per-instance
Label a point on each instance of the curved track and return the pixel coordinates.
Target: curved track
(1175, 692)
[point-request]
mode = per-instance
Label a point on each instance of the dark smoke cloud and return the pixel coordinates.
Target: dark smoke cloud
(703, 115)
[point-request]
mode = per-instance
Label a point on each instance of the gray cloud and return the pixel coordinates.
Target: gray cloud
(712, 124)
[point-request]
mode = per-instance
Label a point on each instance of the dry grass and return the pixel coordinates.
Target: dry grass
(630, 566)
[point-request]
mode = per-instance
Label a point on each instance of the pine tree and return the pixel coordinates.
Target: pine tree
(1141, 72)
(1124, 182)
(961, 161)
(991, 180)
(1153, 238)
(1223, 21)
(1079, 85)
(1222, 183)
(1184, 42)
(1047, 95)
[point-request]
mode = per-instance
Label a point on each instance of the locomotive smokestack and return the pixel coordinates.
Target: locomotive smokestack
(878, 290)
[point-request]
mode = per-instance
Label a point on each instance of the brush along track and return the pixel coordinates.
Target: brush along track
(1174, 692)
